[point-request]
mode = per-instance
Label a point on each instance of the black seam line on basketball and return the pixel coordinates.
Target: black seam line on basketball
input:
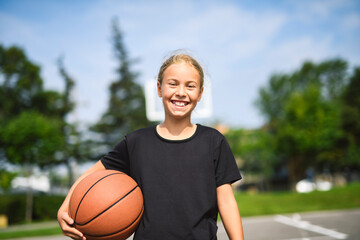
(106, 235)
(82, 224)
(89, 190)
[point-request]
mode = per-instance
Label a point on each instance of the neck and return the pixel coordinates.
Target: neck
(176, 129)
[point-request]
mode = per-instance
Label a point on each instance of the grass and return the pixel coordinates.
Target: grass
(255, 204)
(31, 233)
(288, 202)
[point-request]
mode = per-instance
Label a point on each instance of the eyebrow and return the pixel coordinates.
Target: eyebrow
(186, 81)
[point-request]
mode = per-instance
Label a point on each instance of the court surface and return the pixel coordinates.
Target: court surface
(327, 225)
(344, 224)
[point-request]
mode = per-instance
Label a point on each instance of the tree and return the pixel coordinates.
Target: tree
(20, 82)
(254, 148)
(73, 149)
(31, 139)
(126, 106)
(21, 91)
(32, 119)
(303, 115)
(5, 179)
(21, 87)
(350, 119)
(308, 131)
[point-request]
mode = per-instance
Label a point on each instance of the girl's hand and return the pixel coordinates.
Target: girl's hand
(65, 221)
(66, 224)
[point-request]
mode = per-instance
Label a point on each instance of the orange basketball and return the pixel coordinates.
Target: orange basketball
(106, 205)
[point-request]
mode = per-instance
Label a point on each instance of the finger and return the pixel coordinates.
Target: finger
(72, 232)
(71, 235)
(74, 235)
(65, 216)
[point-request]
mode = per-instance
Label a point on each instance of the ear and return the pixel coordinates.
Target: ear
(200, 94)
(159, 89)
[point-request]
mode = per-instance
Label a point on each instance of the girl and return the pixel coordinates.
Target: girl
(184, 170)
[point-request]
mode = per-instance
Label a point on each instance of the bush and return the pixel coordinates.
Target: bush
(13, 206)
(44, 207)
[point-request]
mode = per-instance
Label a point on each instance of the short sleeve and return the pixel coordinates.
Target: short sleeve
(118, 158)
(226, 169)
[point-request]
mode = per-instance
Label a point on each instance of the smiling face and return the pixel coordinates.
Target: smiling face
(180, 90)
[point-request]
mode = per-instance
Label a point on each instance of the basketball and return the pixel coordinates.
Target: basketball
(106, 205)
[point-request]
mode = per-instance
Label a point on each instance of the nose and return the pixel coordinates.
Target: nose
(180, 91)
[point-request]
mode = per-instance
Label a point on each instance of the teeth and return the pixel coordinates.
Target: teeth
(180, 104)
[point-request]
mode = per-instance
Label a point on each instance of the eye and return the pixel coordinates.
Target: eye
(191, 85)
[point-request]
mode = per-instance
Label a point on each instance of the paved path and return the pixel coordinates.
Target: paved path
(327, 225)
(32, 226)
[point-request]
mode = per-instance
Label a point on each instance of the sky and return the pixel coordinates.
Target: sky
(239, 43)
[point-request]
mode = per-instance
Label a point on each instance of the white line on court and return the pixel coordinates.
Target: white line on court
(296, 222)
(311, 238)
(337, 213)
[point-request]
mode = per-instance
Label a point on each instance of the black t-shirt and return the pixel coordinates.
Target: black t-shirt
(178, 179)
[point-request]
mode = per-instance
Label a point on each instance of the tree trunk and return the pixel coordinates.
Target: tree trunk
(70, 173)
(29, 204)
(29, 195)
(296, 168)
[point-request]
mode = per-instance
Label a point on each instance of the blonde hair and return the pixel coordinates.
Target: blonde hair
(181, 58)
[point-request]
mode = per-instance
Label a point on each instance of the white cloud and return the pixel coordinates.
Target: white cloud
(225, 30)
(351, 22)
(15, 29)
(240, 46)
(311, 10)
(292, 53)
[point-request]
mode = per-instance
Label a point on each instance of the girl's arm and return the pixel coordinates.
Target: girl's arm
(65, 221)
(229, 212)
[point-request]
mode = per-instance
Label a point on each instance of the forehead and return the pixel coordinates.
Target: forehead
(182, 71)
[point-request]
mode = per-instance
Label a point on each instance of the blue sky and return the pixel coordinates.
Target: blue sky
(240, 43)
